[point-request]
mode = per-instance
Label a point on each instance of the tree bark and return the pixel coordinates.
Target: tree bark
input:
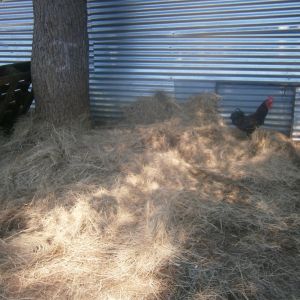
(60, 60)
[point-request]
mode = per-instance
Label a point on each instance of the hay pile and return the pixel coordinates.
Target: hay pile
(180, 207)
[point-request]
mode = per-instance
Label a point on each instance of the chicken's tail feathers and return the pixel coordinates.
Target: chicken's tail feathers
(236, 116)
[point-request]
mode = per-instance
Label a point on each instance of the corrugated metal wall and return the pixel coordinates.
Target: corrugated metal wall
(183, 47)
(16, 24)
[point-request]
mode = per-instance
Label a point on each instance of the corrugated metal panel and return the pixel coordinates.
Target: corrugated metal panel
(16, 25)
(140, 46)
(248, 97)
(182, 47)
(186, 88)
(296, 123)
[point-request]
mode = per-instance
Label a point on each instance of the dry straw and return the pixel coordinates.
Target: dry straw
(170, 204)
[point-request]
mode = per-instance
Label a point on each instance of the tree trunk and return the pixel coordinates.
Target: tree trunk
(60, 60)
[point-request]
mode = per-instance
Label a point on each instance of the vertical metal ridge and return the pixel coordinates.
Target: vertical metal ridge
(296, 121)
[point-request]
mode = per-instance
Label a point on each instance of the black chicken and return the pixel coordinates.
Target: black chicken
(248, 123)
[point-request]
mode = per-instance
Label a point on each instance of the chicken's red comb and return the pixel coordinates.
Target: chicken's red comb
(269, 101)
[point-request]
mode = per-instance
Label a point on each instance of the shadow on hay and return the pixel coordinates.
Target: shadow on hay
(237, 249)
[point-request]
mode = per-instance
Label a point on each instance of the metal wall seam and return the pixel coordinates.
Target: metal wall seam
(296, 121)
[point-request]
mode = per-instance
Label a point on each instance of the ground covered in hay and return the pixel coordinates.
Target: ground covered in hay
(168, 204)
